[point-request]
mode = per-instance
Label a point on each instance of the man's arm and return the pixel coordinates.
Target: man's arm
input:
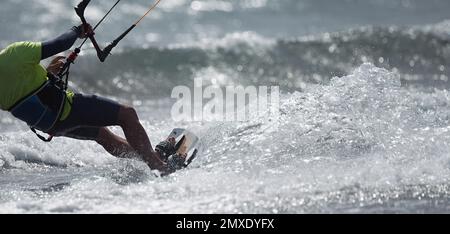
(61, 43)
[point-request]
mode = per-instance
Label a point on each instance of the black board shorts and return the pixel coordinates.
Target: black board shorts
(89, 113)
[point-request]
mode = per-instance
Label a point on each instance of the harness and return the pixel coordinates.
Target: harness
(43, 107)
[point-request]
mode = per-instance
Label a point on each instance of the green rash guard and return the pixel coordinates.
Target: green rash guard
(21, 74)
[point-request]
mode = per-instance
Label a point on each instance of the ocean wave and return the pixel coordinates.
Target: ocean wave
(362, 129)
(420, 56)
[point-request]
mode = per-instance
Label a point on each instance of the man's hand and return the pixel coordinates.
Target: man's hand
(176, 162)
(56, 65)
(86, 31)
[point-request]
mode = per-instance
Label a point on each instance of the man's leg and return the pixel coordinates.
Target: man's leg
(115, 145)
(98, 113)
(137, 138)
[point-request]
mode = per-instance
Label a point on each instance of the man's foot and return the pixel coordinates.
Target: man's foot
(166, 149)
(176, 162)
(168, 153)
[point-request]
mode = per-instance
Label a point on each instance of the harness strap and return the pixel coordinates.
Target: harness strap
(49, 139)
(57, 108)
(34, 92)
(58, 82)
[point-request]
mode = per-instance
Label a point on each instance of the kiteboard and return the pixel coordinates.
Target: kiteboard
(187, 144)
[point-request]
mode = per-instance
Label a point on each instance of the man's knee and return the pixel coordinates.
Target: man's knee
(127, 114)
(103, 135)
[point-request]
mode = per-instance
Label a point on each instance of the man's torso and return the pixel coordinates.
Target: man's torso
(20, 72)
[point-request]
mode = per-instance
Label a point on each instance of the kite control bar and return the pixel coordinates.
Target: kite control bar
(80, 9)
(80, 12)
(103, 54)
